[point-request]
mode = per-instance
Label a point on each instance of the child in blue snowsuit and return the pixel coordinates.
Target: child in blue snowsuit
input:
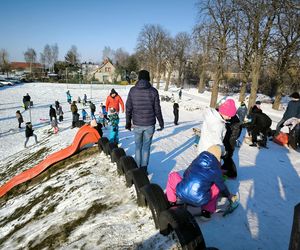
(114, 126)
(69, 97)
(84, 114)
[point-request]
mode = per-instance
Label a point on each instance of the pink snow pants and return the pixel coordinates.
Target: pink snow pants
(174, 178)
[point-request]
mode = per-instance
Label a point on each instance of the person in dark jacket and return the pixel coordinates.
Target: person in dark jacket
(201, 183)
(260, 124)
(292, 110)
(56, 105)
(176, 112)
(233, 132)
(242, 112)
(75, 115)
(29, 133)
(26, 101)
(19, 117)
(142, 109)
(52, 114)
(93, 110)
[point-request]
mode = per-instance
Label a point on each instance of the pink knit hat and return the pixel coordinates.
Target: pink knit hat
(228, 108)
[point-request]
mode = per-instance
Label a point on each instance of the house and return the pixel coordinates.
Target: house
(23, 67)
(106, 72)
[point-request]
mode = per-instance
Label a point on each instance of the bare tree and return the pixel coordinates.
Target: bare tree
(47, 56)
(121, 58)
(55, 51)
(182, 42)
(202, 38)
(30, 57)
(219, 14)
(171, 56)
(151, 49)
(4, 62)
(260, 15)
(286, 44)
(107, 52)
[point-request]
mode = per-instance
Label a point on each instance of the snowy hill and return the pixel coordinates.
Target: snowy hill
(85, 204)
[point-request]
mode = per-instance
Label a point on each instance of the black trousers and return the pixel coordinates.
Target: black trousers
(176, 116)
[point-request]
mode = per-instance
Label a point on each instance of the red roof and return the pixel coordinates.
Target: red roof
(24, 65)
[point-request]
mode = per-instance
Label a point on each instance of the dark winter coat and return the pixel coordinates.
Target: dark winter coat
(259, 119)
(19, 117)
(233, 131)
(292, 110)
(143, 105)
(74, 108)
(92, 107)
(197, 180)
(52, 112)
(28, 131)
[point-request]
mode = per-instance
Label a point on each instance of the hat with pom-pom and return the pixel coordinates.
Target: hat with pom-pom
(228, 108)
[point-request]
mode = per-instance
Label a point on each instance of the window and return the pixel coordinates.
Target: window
(107, 69)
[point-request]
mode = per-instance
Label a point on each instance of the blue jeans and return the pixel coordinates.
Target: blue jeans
(143, 138)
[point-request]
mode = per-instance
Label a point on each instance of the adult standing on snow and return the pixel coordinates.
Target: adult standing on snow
(114, 101)
(180, 94)
(26, 101)
(93, 110)
(75, 116)
(142, 109)
(52, 114)
(213, 128)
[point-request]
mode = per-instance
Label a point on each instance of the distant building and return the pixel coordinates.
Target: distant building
(105, 73)
(24, 67)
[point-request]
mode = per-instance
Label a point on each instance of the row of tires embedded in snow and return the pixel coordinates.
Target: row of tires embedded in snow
(166, 218)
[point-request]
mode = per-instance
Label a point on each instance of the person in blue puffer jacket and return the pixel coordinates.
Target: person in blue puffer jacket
(201, 183)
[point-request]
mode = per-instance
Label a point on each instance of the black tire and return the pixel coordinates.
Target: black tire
(128, 165)
(186, 228)
(139, 179)
(109, 147)
(116, 154)
(101, 143)
(156, 200)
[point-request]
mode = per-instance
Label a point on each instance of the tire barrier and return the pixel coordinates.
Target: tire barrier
(109, 147)
(116, 154)
(156, 200)
(184, 225)
(126, 163)
(166, 218)
(295, 234)
(139, 179)
(101, 143)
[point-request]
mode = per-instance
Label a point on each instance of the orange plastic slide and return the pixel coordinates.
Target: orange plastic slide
(85, 135)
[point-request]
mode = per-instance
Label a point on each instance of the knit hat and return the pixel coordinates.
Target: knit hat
(216, 151)
(113, 92)
(295, 95)
(228, 108)
(144, 75)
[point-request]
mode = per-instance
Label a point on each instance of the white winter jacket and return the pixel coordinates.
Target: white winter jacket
(213, 131)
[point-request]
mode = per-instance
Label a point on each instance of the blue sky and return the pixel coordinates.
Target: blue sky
(88, 24)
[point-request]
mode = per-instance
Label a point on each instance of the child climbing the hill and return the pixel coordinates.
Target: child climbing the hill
(101, 119)
(114, 122)
(19, 117)
(29, 133)
(201, 183)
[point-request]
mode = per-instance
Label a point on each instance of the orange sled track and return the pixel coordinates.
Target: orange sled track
(85, 135)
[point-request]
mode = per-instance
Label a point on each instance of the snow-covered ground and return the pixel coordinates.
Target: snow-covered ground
(84, 205)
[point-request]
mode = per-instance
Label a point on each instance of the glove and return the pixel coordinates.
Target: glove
(128, 126)
(160, 129)
(233, 198)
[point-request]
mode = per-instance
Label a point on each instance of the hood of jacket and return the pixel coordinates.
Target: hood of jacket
(143, 84)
